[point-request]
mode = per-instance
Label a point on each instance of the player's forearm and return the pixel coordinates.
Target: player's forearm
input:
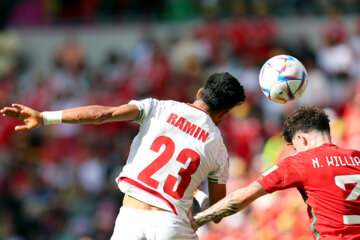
(231, 204)
(86, 115)
(227, 206)
(99, 114)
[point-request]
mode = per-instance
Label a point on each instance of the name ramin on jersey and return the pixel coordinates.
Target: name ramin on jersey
(188, 127)
(337, 161)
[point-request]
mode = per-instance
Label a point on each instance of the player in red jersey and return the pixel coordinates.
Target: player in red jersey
(327, 176)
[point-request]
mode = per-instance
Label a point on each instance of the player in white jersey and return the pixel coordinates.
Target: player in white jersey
(177, 147)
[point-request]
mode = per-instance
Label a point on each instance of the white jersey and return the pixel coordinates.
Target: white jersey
(177, 147)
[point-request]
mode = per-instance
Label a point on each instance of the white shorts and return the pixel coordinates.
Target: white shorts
(135, 224)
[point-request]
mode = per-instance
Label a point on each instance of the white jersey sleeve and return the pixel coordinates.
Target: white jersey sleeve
(177, 147)
(145, 107)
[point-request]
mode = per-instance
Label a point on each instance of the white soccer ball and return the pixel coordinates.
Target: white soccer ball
(283, 78)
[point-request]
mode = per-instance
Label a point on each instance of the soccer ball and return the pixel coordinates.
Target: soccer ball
(283, 78)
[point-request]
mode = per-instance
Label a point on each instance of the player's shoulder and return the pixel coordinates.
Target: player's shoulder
(295, 159)
(348, 151)
(167, 103)
(154, 103)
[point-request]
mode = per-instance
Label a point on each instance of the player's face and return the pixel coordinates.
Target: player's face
(217, 118)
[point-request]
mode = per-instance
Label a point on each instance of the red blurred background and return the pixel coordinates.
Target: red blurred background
(58, 182)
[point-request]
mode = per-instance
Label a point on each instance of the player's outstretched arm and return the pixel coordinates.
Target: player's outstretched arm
(229, 205)
(100, 114)
(82, 115)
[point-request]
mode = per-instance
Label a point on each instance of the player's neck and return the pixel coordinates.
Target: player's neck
(217, 117)
(202, 105)
(319, 139)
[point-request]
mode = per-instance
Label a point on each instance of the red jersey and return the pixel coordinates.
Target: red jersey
(328, 177)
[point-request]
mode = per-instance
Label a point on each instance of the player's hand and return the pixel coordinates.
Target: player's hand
(193, 223)
(199, 188)
(194, 226)
(32, 119)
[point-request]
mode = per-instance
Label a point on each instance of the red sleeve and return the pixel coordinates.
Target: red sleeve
(286, 174)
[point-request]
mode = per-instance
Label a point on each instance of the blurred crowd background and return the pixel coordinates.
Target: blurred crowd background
(57, 182)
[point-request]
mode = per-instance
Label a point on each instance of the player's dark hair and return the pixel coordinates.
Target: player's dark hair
(222, 91)
(305, 119)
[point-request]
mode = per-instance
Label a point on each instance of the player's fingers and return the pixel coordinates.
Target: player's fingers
(10, 115)
(9, 110)
(23, 110)
(21, 127)
(13, 113)
(18, 106)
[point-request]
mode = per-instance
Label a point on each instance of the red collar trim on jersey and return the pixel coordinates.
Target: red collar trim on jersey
(197, 107)
(148, 190)
(327, 144)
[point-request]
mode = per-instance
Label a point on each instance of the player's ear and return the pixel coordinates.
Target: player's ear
(199, 92)
(303, 139)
